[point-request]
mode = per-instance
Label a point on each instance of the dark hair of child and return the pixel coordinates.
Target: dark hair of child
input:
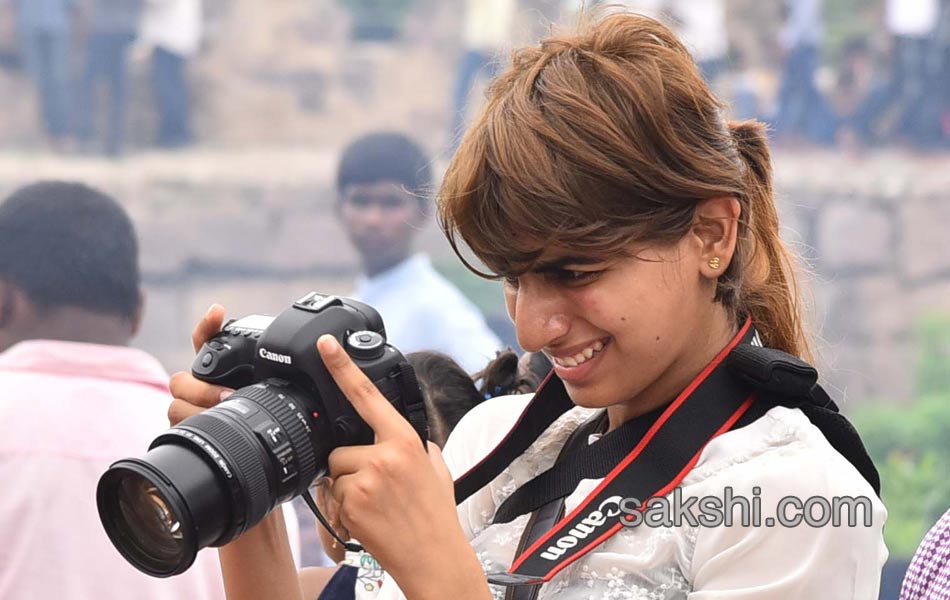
(449, 392)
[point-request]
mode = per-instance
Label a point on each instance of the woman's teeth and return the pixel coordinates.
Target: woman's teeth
(581, 357)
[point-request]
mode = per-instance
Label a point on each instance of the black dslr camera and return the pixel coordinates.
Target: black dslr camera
(216, 474)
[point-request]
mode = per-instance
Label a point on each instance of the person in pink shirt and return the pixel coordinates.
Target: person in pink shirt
(74, 397)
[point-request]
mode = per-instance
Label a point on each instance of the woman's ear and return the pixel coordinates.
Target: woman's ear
(716, 226)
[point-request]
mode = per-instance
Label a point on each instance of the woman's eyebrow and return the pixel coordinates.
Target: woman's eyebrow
(559, 263)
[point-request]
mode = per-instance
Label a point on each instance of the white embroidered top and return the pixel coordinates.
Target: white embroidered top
(781, 454)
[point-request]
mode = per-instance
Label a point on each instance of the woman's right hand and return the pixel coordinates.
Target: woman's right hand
(192, 395)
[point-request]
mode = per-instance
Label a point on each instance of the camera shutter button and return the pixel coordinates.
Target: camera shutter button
(365, 345)
(206, 359)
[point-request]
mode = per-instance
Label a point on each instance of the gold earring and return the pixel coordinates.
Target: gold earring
(713, 262)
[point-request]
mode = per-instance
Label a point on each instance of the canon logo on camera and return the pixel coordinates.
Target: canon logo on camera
(273, 356)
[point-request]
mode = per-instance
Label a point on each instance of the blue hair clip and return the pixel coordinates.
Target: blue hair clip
(498, 391)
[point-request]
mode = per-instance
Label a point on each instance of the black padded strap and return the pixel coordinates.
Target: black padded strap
(584, 461)
(844, 438)
(549, 402)
(545, 517)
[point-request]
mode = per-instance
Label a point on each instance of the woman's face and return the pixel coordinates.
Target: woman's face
(628, 332)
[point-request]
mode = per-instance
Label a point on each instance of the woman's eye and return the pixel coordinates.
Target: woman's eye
(575, 277)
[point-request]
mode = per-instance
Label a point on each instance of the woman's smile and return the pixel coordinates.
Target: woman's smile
(574, 365)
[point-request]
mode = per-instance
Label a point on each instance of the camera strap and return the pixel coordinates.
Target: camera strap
(407, 389)
(544, 518)
(647, 456)
(708, 406)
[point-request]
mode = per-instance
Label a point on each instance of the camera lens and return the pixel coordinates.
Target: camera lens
(153, 525)
(161, 509)
(210, 478)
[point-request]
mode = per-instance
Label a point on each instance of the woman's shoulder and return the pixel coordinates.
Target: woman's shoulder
(818, 526)
(784, 449)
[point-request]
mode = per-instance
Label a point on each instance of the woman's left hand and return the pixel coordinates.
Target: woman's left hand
(397, 499)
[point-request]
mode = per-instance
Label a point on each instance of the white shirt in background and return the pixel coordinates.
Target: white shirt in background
(488, 24)
(805, 25)
(911, 18)
(702, 27)
(173, 25)
(422, 310)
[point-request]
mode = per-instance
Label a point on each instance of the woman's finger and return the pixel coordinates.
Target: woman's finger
(208, 326)
(346, 460)
(184, 385)
(368, 401)
(438, 464)
(181, 410)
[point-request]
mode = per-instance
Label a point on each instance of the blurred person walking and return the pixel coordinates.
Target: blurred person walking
(912, 24)
(75, 396)
(45, 28)
(114, 25)
(701, 24)
(381, 181)
(486, 30)
(906, 106)
(802, 111)
(172, 29)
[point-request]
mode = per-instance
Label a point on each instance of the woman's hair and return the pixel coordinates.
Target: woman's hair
(611, 137)
(449, 392)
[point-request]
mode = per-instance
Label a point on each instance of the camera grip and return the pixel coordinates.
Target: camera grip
(226, 360)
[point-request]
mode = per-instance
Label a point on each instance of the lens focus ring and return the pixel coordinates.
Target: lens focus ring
(278, 403)
(244, 455)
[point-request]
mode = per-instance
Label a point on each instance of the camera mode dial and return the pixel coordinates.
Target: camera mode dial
(365, 345)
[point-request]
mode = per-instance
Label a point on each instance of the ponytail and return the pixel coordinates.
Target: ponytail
(761, 279)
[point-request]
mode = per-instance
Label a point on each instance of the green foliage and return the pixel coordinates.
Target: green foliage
(846, 21)
(385, 12)
(933, 365)
(376, 20)
(910, 444)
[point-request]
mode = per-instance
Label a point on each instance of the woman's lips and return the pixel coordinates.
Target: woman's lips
(575, 367)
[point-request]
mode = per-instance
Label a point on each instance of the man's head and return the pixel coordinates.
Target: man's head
(381, 182)
(68, 266)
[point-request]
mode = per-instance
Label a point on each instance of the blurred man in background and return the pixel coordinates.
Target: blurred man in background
(75, 397)
(381, 182)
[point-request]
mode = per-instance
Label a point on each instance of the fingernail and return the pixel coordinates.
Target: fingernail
(224, 395)
(329, 342)
(210, 308)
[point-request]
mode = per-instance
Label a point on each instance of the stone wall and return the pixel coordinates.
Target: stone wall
(873, 232)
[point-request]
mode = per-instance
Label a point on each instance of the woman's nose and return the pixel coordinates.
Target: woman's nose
(540, 315)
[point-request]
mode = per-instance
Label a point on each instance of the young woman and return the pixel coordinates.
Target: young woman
(636, 231)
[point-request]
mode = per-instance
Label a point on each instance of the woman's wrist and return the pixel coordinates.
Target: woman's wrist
(438, 572)
(259, 564)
